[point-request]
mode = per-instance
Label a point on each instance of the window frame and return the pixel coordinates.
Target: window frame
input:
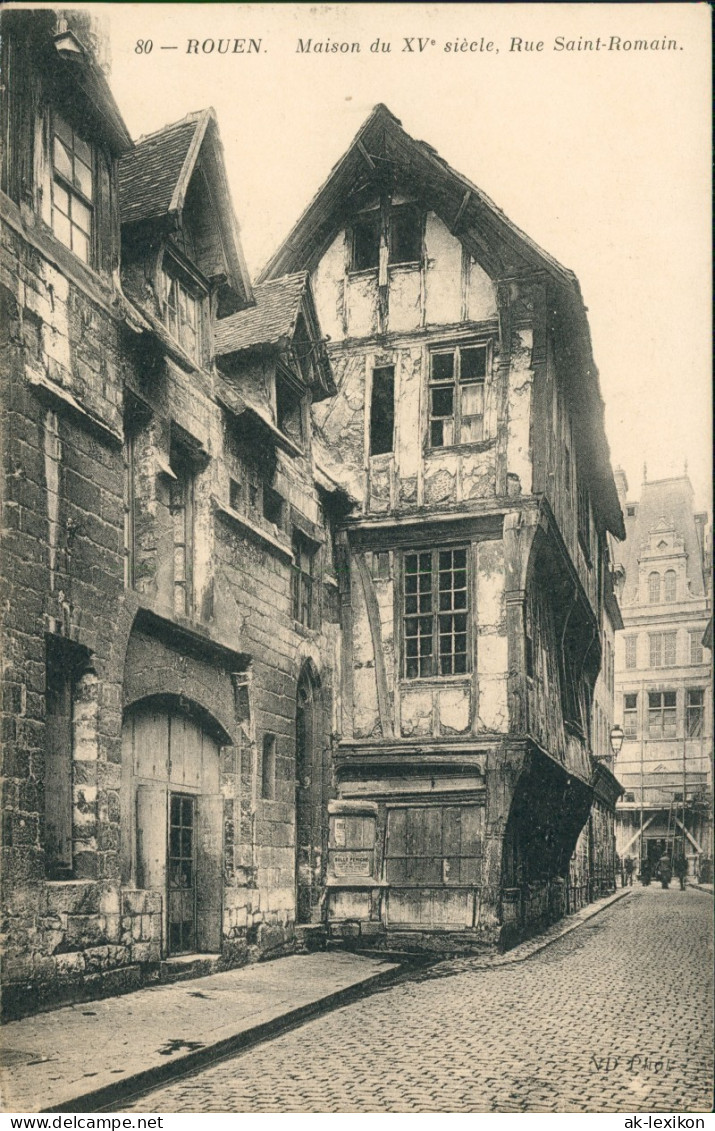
(175, 277)
(670, 587)
(289, 386)
(659, 652)
(657, 713)
(304, 584)
(694, 712)
(380, 407)
(654, 586)
(456, 385)
(435, 613)
(70, 186)
(696, 646)
(630, 714)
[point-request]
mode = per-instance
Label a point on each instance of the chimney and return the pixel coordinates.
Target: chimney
(621, 485)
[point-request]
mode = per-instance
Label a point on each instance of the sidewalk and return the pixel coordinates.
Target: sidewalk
(82, 1057)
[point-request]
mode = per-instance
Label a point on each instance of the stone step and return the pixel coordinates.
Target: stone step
(188, 966)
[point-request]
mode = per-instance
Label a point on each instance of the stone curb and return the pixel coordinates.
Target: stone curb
(112, 1095)
(131, 1087)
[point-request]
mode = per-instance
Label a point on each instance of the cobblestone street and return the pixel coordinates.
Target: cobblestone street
(614, 1017)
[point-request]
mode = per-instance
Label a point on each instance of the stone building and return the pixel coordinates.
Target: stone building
(664, 676)
(169, 593)
(468, 426)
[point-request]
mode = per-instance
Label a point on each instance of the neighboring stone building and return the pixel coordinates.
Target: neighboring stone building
(468, 424)
(169, 593)
(664, 677)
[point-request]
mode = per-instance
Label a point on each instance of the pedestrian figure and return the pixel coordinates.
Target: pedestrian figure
(628, 868)
(664, 870)
(680, 867)
(645, 872)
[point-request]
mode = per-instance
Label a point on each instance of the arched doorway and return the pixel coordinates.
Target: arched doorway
(308, 798)
(173, 818)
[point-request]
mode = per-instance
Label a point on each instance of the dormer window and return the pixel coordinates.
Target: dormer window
(72, 189)
(182, 311)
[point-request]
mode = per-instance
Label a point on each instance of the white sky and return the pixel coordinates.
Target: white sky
(602, 157)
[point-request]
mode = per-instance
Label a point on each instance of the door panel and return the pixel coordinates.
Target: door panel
(209, 873)
(151, 836)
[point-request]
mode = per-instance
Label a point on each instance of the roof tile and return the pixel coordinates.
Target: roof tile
(269, 321)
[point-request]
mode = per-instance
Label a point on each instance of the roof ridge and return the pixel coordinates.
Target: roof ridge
(192, 116)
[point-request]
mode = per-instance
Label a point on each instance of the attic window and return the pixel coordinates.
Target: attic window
(404, 238)
(182, 311)
(72, 189)
(630, 511)
(405, 235)
(366, 242)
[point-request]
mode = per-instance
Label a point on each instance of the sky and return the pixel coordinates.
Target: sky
(600, 154)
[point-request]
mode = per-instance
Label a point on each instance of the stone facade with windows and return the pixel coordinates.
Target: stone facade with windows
(663, 677)
(168, 574)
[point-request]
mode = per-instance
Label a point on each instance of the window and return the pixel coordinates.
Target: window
(268, 768)
(694, 711)
(631, 651)
(289, 410)
(669, 586)
(72, 189)
(630, 511)
(404, 242)
(303, 580)
(272, 506)
(434, 846)
(366, 242)
(662, 649)
(696, 648)
(661, 714)
(181, 506)
(59, 687)
(630, 714)
(382, 410)
(405, 235)
(654, 588)
(435, 609)
(456, 395)
(235, 494)
(182, 314)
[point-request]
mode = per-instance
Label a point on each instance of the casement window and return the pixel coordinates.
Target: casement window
(654, 588)
(404, 237)
(662, 649)
(181, 505)
(72, 189)
(304, 567)
(182, 314)
(630, 714)
(382, 410)
(434, 613)
(456, 395)
(696, 647)
(670, 581)
(694, 712)
(631, 651)
(661, 714)
(289, 410)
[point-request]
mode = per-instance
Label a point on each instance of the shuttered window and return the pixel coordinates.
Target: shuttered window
(434, 846)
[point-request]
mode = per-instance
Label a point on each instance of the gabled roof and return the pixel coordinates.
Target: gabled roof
(272, 322)
(383, 155)
(154, 179)
(672, 500)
